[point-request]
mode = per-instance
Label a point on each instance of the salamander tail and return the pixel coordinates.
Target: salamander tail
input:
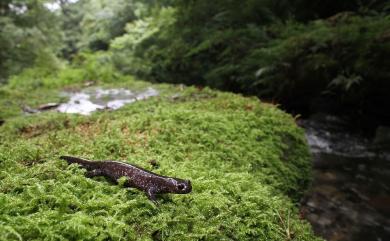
(82, 162)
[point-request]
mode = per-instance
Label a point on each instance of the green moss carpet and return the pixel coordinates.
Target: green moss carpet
(248, 163)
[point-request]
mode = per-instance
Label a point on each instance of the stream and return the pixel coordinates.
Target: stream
(349, 199)
(91, 99)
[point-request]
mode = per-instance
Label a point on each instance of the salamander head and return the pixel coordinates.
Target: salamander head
(182, 186)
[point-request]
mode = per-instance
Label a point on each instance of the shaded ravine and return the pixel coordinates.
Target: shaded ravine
(349, 198)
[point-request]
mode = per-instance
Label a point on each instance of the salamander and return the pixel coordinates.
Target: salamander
(137, 177)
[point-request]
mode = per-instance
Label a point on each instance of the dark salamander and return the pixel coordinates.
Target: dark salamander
(137, 177)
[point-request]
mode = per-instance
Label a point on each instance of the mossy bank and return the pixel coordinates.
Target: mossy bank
(248, 163)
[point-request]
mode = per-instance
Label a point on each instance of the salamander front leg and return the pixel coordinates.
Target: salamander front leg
(152, 196)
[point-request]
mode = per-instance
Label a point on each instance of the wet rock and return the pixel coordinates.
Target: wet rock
(311, 204)
(324, 221)
(48, 106)
(175, 97)
(41, 108)
(29, 110)
(331, 177)
(89, 83)
(312, 217)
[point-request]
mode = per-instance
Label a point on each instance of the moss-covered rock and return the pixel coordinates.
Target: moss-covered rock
(247, 161)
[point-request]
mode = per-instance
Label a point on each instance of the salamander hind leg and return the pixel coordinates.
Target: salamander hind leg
(94, 173)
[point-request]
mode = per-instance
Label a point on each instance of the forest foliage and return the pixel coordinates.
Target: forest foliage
(299, 53)
(29, 36)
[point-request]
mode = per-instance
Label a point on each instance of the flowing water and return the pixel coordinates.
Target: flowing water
(350, 194)
(92, 99)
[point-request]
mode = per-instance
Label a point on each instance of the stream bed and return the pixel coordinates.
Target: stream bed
(92, 99)
(349, 199)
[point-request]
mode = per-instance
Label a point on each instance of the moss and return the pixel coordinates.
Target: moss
(248, 163)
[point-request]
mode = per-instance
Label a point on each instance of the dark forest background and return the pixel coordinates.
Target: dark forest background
(308, 56)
